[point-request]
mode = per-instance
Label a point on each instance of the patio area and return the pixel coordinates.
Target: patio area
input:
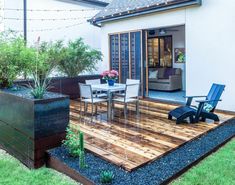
(135, 141)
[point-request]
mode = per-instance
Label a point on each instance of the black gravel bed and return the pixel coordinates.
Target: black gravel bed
(25, 92)
(159, 170)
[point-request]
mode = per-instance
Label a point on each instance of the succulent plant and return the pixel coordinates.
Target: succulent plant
(106, 177)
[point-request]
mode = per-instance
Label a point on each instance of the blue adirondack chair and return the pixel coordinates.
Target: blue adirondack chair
(204, 110)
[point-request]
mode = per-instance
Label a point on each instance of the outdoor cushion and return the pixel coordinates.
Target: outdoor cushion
(161, 72)
(163, 81)
(153, 74)
(208, 107)
(169, 72)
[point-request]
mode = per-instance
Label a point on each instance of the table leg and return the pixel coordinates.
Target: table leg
(109, 105)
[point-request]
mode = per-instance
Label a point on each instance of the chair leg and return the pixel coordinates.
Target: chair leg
(92, 109)
(107, 109)
(199, 111)
(137, 108)
(85, 108)
(125, 110)
(113, 108)
(80, 107)
(169, 117)
(96, 109)
(191, 119)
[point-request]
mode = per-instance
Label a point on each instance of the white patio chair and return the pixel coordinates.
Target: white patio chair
(128, 82)
(98, 94)
(132, 81)
(131, 96)
(86, 96)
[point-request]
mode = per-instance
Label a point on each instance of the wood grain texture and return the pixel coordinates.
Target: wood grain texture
(132, 142)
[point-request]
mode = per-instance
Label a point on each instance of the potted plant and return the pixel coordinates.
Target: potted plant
(110, 77)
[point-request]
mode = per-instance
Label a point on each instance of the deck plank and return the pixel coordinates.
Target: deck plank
(135, 141)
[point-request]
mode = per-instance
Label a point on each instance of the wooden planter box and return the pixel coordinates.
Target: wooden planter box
(69, 86)
(29, 127)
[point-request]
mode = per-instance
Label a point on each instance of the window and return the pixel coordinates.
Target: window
(160, 51)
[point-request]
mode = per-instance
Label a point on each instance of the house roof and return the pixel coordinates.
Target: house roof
(96, 2)
(118, 9)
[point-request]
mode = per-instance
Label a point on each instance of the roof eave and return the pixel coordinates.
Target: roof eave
(96, 2)
(144, 12)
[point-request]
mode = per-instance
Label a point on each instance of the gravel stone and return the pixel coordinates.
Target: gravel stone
(159, 170)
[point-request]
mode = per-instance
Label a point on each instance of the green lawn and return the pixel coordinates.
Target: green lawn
(217, 169)
(12, 172)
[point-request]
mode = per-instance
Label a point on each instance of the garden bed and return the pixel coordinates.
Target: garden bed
(158, 172)
(65, 85)
(29, 127)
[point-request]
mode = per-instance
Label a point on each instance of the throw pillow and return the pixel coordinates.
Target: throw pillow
(208, 107)
(153, 74)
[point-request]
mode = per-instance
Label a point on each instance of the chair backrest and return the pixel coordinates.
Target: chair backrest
(85, 91)
(93, 82)
(132, 91)
(132, 81)
(215, 93)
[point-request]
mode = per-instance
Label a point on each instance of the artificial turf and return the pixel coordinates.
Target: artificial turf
(217, 169)
(12, 172)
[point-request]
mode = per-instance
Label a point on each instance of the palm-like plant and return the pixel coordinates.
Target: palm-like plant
(78, 58)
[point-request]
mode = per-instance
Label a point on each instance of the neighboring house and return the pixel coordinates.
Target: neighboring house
(49, 23)
(147, 40)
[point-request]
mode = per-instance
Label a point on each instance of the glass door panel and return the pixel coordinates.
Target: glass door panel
(165, 51)
(153, 52)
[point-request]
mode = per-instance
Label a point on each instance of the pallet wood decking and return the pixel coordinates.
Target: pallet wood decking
(132, 142)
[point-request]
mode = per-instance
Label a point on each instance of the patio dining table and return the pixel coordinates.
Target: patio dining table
(110, 90)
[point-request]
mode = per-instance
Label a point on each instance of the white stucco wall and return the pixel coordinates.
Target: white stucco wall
(89, 33)
(1, 15)
(179, 42)
(210, 44)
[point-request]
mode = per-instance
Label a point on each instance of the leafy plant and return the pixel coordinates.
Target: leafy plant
(40, 70)
(72, 142)
(39, 87)
(53, 53)
(77, 58)
(12, 48)
(106, 176)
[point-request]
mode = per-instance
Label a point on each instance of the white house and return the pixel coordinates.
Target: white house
(141, 37)
(53, 19)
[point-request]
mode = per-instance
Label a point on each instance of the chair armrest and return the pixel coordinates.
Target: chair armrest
(195, 96)
(206, 101)
(190, 99)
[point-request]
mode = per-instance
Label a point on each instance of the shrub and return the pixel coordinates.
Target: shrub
(106, 176)
(72, 142)
(78, 58)
(14, 57)
(53, 53)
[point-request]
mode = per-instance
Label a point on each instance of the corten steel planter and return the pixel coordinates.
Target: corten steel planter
(29, 127)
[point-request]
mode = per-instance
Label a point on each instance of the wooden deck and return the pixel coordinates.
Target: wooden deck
(135, 141)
